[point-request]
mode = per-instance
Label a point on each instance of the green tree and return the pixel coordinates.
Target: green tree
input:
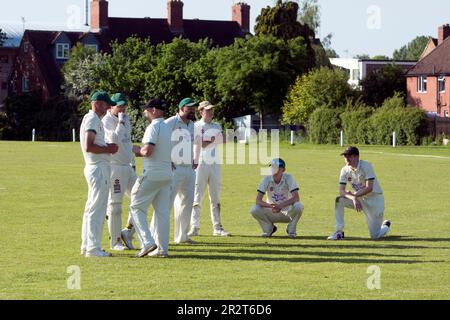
(2, 37)
(380, 57)
(413, 50)
(258, 72)
(322, 87)
(363, 56)
(168, 78)
(381, 84)
(82, 73)
(281, 22)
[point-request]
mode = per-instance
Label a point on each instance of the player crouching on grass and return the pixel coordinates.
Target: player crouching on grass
(367, 196)
(284, 201)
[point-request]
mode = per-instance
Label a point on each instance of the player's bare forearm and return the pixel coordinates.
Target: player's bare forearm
(147, 150)
(295, 198)
(260, 202)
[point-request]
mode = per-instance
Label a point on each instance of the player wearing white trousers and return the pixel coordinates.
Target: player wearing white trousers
(123, 176)
(153, 187)
(267, 218)
(96, 154)
(373, 208)
(366, 196)
(283, 201)
(208, 138)
(183, 184)
(208, 175)
(97, 178)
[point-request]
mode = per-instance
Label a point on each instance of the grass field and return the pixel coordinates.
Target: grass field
(42, 197)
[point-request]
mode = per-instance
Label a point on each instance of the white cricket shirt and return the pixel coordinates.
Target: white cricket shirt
(91, 122)
(119, 134)
(357, 177)
(277, 193)
(159, 163)
(204, 132)
(182, 140)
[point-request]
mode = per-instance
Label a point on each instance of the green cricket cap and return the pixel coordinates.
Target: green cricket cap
(120, 99)
(187, 102)
(102, 96)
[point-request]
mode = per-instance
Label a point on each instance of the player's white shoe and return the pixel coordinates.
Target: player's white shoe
(83, 252)
(387, 223)
(193, 232)
(338, 235)
(98, 253)
(158, 254)
(119, 247)
(146, 250)
(221, 233)
(127, 238)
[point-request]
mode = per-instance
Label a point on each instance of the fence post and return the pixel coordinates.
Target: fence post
(292, 137)
(342, 138)
(394, 139)
(74, 138)
(33, 135)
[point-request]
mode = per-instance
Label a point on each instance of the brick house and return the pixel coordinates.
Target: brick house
(428, 82)
(42, 53)
(7, 58)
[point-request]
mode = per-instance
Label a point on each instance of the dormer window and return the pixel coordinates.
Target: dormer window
(92, 47)
(62, 51)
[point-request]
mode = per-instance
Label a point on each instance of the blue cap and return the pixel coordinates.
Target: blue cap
(278, 162)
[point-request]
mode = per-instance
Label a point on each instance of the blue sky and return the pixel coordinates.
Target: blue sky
(359, 26)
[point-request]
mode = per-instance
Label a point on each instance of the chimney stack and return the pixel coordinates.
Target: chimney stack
(99, 15)
(443, 33)
(241, 14)
(175, 15)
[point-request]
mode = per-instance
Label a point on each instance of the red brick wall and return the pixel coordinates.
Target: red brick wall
(241, 14)
(428, 101)
(27, 65)
(175, 15)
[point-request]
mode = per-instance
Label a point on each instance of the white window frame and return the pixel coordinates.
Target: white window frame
(26, 47)
(441, 79)
(422, 82)
(92, 46)
(65, 47)
(25, 84)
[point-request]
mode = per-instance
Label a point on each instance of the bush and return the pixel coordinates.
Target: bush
(354, 122)
(394, 115)
(324, 126)
(321, 87)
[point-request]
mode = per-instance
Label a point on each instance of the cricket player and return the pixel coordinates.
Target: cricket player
(153, 187)
(208, 136)
(183, 184)
(366, 196)
(123, 171)
(283, 201)
(96, 153)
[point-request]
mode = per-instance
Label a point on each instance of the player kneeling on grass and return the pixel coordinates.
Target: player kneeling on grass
(367, 196)
(283, 201)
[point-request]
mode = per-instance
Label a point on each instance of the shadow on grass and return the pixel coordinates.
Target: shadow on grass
(298, 259)
(291, 252)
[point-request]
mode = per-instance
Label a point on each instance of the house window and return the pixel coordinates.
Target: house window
(441, 82)
(93, 47)
(25, 47)
(446, 113)
(25, 84)
(422, 84)
(62, 51)
(3, 59)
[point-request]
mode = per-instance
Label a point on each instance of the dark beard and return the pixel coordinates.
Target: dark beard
(191, 117)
